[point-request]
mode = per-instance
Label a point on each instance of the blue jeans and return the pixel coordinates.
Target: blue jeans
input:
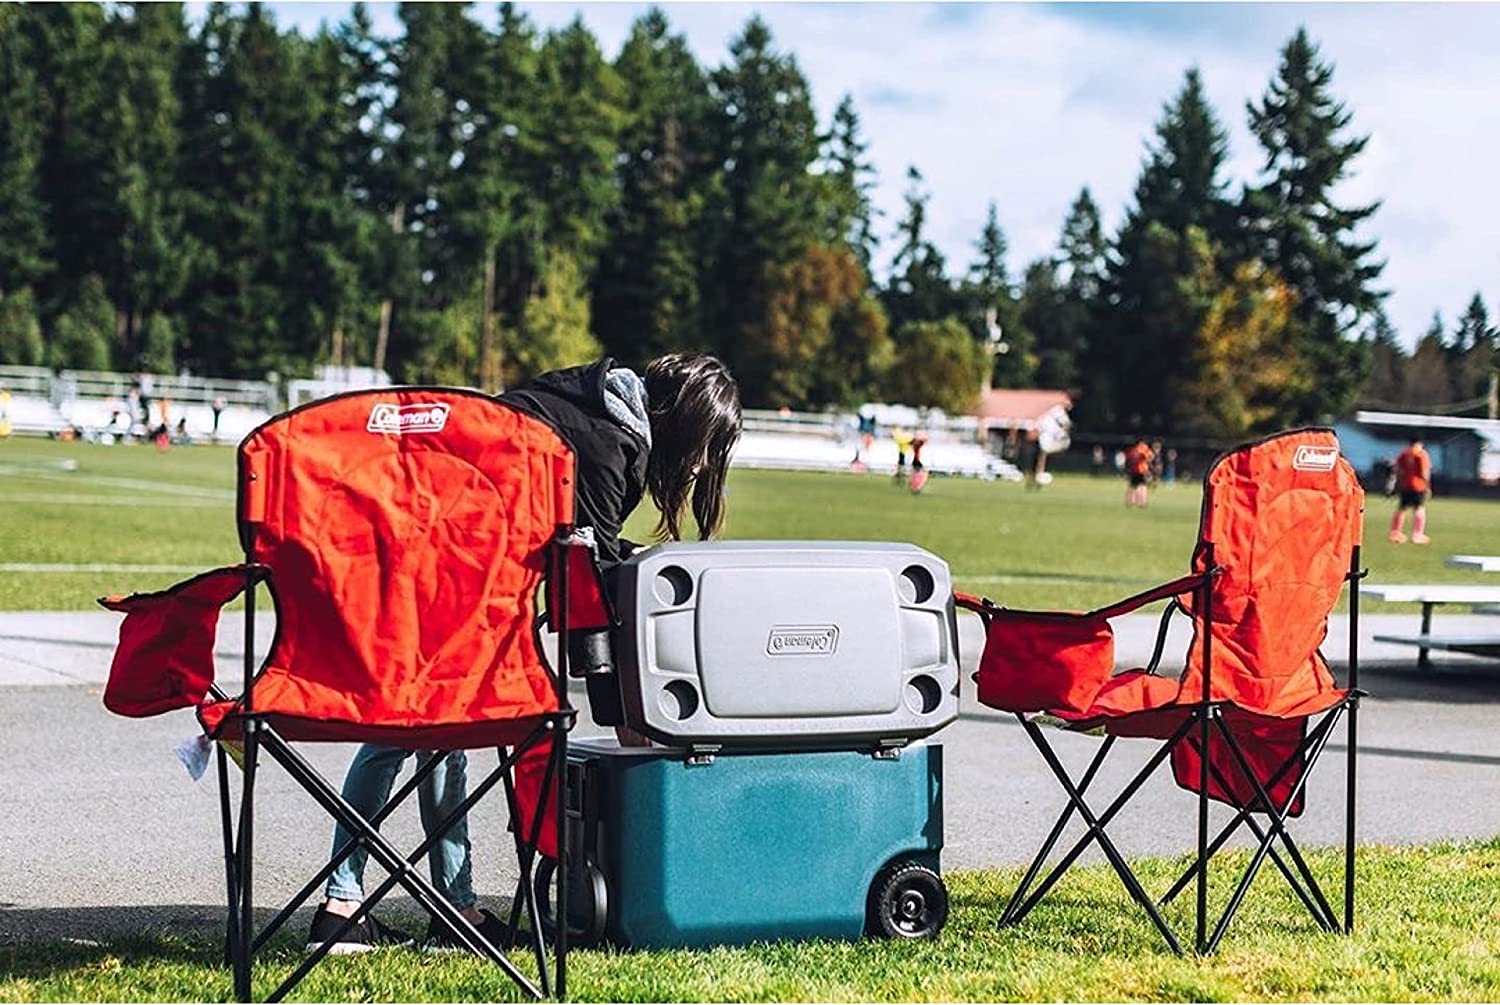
(367, 787)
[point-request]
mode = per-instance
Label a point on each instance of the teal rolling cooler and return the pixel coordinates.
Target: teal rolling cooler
(794, 797)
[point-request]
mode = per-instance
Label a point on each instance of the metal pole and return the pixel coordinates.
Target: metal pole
(1355, 574)
(1201, 930)
(246, 932)
(560, 767)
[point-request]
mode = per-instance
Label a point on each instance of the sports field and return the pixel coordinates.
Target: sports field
(81, 520)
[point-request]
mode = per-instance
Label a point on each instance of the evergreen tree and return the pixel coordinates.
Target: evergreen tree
(21, 342)
(26, 248)
(1385, 387)
(1065, 317)
(849, 178)
(1306, 237)
(990, 300)
(1472, 354)
(918, 288)
(1144, 346)
(149, 257)
(647, 297)
(66, 48)
(83, 331)
(1429, 385)
(764, 202)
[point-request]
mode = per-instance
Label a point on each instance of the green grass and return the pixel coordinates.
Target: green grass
(1073, 545)
(1428, 929)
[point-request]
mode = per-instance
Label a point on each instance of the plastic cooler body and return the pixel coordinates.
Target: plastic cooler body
(787, 644)
(751, 846)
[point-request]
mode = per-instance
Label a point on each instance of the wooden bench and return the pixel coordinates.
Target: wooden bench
(1430, 595)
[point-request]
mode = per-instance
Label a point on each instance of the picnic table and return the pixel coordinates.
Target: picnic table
(1483, 563)
(1431, 595)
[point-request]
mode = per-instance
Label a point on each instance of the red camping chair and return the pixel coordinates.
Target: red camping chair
(403, 534)
(1279, 538)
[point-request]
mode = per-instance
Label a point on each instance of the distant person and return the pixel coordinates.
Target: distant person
(180, 434)
(1097, 467)
(918, 470)
(1119, 462)
(1031, 460)
(866, 439)
(218, 410)
(1414, 482)
(903, 448)
(1139, 460)
(1169, 466)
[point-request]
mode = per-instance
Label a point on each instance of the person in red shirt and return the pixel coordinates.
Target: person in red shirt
(1413, 483)
(1138, 464)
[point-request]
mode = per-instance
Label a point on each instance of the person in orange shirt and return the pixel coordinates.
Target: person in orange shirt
(1413, 482)
(1138, 462)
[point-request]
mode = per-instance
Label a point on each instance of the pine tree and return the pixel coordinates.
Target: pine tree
(1156, 305)
(1385, 387)
(763, 206)
(849, 177)
(580, 104)
(1472, 355)
(918, 288)
(26, 248)
(1303, 235)
(21, 342)
(83, 331)
(990, 300)
(554, 330)
(1064, 317)
(1429, 385)
(647, 289)
(150, 257)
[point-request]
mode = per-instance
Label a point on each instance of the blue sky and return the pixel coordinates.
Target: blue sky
(1023, 104)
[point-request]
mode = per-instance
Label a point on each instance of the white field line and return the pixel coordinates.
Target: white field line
(115, 502)
(135, 484)
(74, 567)
(1022, 577)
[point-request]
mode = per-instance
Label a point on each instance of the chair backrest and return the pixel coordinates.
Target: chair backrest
(1281, 518)
(406, 531)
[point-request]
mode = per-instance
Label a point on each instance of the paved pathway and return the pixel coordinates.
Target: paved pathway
(101, 830)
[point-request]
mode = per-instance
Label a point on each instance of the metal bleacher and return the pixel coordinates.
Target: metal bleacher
(94, 404)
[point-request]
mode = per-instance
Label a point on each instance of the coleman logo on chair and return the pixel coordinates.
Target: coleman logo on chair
(399, 419)
(803, 640)
(1310, 458)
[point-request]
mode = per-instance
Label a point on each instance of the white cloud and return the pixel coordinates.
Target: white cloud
(1026, 104)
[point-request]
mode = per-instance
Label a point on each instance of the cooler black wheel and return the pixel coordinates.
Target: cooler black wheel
(908, 901)
(588, 902)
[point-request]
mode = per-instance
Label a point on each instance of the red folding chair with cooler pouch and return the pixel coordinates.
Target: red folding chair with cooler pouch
(403, 534)
(1279, 539)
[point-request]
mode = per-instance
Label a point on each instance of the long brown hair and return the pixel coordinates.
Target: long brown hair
(695, 422)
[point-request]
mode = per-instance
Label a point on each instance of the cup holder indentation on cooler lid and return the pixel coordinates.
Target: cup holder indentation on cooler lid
(916, 585)
(673, 586)
(678, 700)
(923, 694)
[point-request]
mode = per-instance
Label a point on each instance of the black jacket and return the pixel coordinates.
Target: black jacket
(611, 459)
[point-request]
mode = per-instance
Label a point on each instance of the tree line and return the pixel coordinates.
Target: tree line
(476, 200)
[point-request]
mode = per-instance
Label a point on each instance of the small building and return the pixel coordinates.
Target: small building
(1464, 451)
(1006, 414)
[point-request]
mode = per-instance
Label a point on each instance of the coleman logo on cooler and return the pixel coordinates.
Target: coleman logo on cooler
(803, 640)
(1315, 458)
(401, 419)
